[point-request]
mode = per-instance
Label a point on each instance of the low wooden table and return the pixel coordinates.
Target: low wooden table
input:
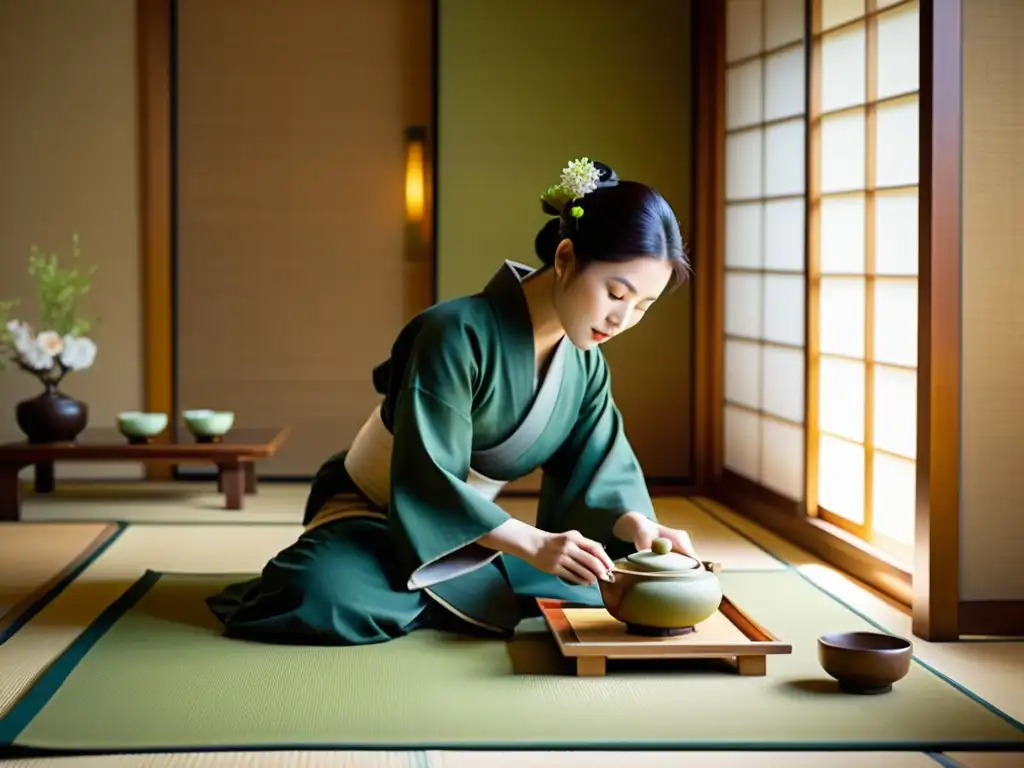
(235, 457)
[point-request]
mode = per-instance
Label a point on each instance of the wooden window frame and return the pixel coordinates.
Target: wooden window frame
(932, 594)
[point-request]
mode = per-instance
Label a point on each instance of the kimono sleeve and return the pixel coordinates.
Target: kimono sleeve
(594, 477)
(436, 515)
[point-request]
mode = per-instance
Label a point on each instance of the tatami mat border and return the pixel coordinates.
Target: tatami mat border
(25, 611)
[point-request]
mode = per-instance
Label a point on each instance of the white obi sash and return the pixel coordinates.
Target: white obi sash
(368, 463)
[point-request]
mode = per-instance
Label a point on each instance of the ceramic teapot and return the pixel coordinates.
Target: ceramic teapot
(659, 592)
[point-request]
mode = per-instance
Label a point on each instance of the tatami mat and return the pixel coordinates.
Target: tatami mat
(168, 547)
(185, 502)
(35, 558)
(197, 540)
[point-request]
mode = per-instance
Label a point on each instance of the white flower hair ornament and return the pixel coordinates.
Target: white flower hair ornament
(579, 178)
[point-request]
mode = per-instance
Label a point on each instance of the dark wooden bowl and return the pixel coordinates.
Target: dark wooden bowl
(865, 662)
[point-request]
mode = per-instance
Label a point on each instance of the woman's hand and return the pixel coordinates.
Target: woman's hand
(571, 556)
(642, 531)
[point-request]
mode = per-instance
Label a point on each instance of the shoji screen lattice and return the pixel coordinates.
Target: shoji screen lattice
(865, 266)
(765, 243)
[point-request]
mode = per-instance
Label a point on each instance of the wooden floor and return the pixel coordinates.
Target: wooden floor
(185, 527)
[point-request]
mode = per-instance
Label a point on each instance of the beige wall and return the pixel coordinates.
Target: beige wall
(526, 86)
(291, 202)
(68, 152)
(992, 490)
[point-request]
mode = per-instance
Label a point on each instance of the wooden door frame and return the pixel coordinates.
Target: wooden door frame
(154, 52)
(933, 594)
(936, 595)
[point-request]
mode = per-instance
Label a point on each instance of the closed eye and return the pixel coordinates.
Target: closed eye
(613, 297)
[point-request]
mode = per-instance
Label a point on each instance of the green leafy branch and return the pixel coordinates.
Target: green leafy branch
(61, 290)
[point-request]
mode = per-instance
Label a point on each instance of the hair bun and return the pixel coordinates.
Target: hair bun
(547, 240)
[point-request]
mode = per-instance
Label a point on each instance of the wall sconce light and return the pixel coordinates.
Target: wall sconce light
(419, 268)
(415, 173)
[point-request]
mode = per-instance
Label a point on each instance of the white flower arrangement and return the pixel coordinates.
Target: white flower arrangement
(579, 178)
(63, 346)
(48, 355)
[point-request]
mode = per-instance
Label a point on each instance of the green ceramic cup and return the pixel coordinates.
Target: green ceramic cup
(208, 424)
(139, 426)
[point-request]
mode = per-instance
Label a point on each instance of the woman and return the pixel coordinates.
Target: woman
(402, 531)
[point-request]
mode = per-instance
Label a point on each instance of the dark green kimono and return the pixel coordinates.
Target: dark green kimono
(460, 397)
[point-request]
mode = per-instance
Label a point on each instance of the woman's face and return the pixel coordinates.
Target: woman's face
(606, 298)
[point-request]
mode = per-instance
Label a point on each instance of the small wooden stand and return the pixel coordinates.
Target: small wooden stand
(592, 636)
(235, 459)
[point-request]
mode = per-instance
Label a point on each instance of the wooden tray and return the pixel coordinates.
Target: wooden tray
(592, 636)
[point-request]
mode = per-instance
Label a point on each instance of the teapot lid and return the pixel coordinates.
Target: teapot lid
(660, 557)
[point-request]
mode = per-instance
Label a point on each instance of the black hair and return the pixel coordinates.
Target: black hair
(621, 221)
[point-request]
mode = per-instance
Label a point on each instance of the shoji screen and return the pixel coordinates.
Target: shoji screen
(765, 281)
(864, 265)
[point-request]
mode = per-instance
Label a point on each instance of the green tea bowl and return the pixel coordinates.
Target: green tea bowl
(141, 427)
(657, 592)
(208, 425)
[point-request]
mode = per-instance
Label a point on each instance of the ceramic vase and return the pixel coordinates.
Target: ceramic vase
(52, 417)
